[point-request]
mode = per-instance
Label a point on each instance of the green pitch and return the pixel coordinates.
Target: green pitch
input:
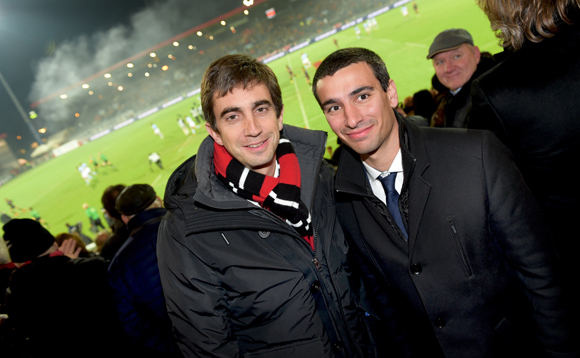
(57, 191)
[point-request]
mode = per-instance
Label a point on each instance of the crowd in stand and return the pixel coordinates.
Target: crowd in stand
(460, 242)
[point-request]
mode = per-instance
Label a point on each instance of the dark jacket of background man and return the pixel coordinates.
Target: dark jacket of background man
(531, 101)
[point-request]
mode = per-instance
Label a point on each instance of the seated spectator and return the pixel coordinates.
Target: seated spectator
(423, 104)
(79, 244)
(59, 305)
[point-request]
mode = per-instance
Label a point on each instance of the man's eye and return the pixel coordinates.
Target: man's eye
(231, 118)
(261, 109)
(364, 96)
(333, 108)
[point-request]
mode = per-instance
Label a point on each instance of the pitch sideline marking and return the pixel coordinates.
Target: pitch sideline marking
(299, 98)
(156, 179)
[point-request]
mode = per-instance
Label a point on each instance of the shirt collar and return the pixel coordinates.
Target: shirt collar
(396, 167)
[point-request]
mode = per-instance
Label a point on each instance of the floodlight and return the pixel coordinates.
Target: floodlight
(152, 54)
(199, 33)
(107, 75)
(85, 86)
(120, 88)
(63, 96)
(175, 43)
(223, 23)
(130, 65)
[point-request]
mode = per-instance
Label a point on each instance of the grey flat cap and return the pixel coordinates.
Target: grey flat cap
(449, 40)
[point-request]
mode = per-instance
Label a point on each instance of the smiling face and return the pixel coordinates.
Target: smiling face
(247, 126)
(455, 67)
(361, 113)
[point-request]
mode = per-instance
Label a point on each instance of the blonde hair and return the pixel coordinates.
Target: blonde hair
(515, 20)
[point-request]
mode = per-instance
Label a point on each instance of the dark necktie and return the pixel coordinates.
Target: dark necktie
(393, 200)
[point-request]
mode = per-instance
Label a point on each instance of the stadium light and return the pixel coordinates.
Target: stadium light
(63, 96)
(107, 75)
(152, 54)
(110, 83)
(248, 2)
(211, 37)
(223, 23)
(130, 74)
(246, 12)
(170, 56)
(90, 93)
(42, 130)
(77, 114)
(18, 137)
(165, 68)
(146, 74)
(176, 44)
(130, 65)
(199, 33)
(120, 88)
(85, 86)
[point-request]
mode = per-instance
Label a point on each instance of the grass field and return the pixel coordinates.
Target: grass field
(57, 191)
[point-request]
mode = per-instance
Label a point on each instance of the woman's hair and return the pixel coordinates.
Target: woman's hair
(515, 20)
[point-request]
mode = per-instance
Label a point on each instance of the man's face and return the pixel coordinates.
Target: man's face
(247, 127)
(359, 111)
(455, 67)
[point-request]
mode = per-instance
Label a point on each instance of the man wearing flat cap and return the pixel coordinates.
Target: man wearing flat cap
(134, 275)
(55, 296)
(457, 62)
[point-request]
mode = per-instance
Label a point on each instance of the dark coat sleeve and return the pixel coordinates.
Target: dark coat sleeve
(520, 228)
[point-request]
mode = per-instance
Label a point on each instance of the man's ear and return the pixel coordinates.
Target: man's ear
(477, 53)
(125, 218)
(280, 119)
(392, 93)
(214, 134)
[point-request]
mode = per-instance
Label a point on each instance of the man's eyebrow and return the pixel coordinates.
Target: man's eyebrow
(261, 102)
(361, 89)
(228, 110)
(330, 101)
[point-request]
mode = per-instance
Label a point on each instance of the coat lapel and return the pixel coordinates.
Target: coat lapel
(414, 165)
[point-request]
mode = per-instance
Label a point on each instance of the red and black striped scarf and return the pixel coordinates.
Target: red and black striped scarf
(279, 195)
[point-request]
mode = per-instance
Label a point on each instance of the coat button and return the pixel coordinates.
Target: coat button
(264, 234)
(416, 269)
(337, 347)
(315, 287)
(440, 322)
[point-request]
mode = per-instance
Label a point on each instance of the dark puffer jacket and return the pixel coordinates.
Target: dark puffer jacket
(229, 290)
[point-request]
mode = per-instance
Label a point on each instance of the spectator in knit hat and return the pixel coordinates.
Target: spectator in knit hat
(134, 276)
(51, 293)
(457, 62)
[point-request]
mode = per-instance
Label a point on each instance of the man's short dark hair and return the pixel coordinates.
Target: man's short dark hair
(108, 199)
(231, 71)
(348, 56)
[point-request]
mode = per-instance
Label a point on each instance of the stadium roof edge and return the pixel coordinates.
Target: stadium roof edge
(142, 53)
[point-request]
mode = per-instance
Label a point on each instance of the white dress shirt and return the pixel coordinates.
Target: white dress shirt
(376, 185)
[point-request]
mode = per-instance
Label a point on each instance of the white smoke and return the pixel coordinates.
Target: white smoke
(80, 57)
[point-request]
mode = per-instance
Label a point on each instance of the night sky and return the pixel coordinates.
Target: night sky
(33, 31)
